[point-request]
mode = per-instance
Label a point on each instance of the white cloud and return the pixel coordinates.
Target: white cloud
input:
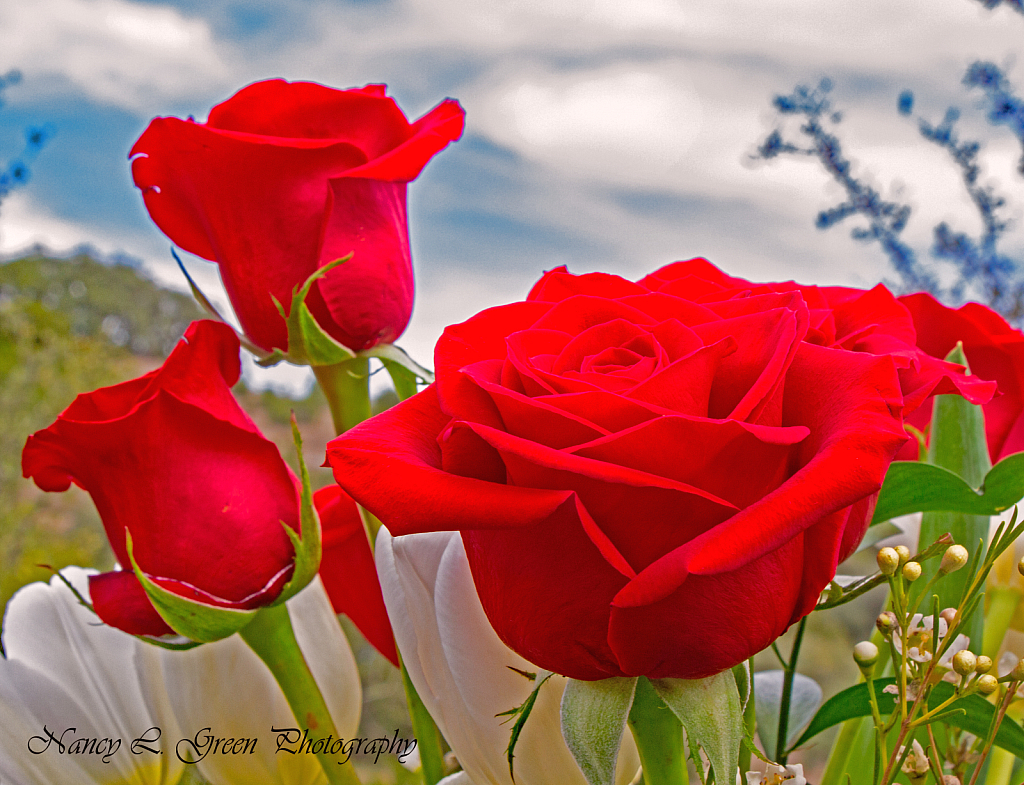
(624, 119)
(136, 56)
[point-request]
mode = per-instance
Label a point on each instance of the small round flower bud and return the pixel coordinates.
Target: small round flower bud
(987, 684)
(912, 571)
(1017, 674)
(903, 552)
(953, 559)
(888, 560)
(1020, 565)
(865, 654)
(964, 662)
(984, 664)
(886, 623)
(949, 614)
(951, 779)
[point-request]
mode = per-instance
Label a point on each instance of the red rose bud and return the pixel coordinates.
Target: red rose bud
(994, 350)
(286, 177)
(626, 460)
(172, 461)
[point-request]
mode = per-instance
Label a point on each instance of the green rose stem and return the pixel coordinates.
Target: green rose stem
(789, 670)
(659, 737)
(347, 389)
(346, 386)
(271, 636)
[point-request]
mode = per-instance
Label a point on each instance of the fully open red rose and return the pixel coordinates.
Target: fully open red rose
(285, 177)
(994, 350)
(172, 458)
(652, 478)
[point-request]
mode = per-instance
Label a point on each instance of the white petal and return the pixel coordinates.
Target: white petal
(64, 669)
(223, 690)
(462, 669)
(458, 778)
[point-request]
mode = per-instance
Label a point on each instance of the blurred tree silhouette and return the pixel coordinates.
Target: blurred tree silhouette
(978, 269)
(16, 171)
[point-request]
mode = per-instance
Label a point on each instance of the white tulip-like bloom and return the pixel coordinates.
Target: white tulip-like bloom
(464, 673)
(82, 703)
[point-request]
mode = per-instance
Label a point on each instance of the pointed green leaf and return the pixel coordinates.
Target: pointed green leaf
(195, 620)
(854, 702)
(308, 547)
(389, 353)
(912, 486)
(956, 442)
(710, 711)
(521, 714)
(804, 702)
(593, 717)
(402, 378)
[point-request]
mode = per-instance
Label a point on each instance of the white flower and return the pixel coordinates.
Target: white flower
(462, 670)
(919, 638)
(790, 774)
(66, 670)
(68, 675)
(225, 687)
(915, 765)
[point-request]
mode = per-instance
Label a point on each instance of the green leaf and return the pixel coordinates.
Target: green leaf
(402, 378)
(911, 486)
(308, 344)
(710, 711)
(957, 443)
(853, 702)
(521, 713)
(388, 353)
(593, 717)
(195, 620)
(308, 547)
(804, 702)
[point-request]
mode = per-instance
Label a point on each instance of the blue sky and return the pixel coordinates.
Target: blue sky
(600, 134)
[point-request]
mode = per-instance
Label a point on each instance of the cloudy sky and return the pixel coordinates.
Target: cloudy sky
(601, 134)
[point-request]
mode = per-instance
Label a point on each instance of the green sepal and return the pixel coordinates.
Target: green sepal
(197, 621)
(206, 305)
(593, 715)
(308, 547)
(163, 643)
(911, 486)
(308, 344)
(521, 714)
(711, 712)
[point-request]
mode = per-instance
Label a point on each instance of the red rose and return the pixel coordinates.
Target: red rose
(994, 350)
(347, 570)
(172, 458)
(652, 478)
(285, 177)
